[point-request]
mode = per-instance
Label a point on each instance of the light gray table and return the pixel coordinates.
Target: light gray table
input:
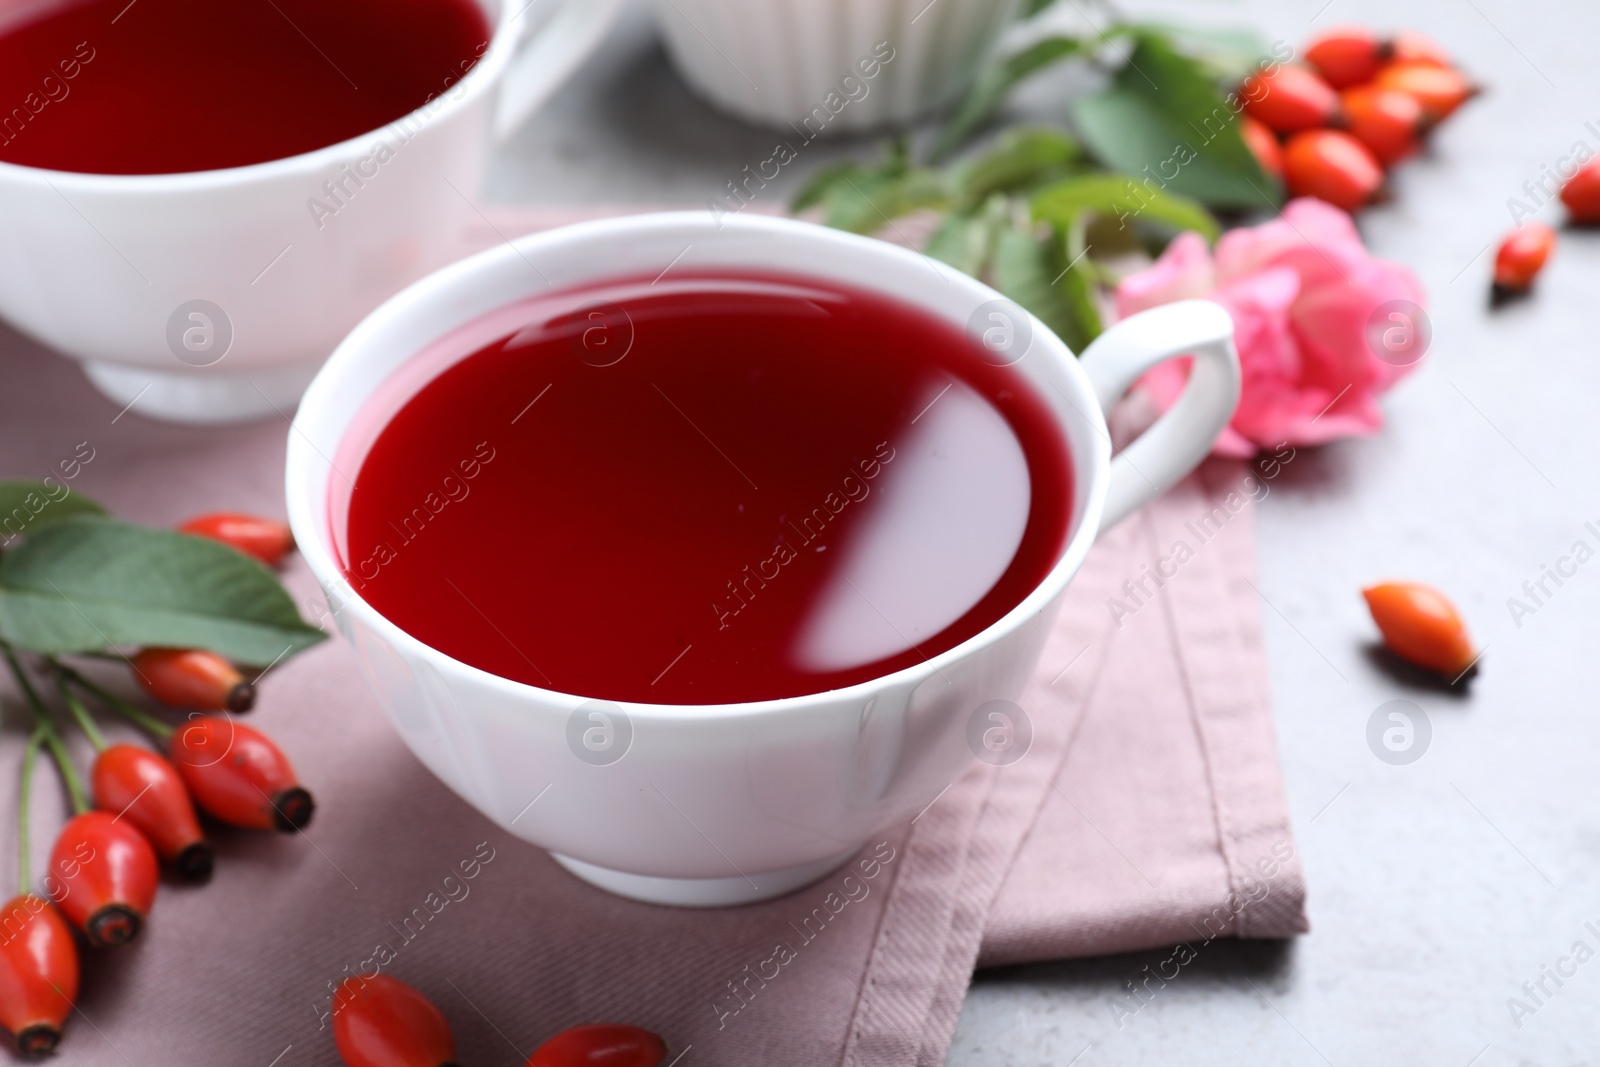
(1437, 888)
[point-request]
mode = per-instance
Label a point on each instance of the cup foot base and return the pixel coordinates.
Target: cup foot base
(204, 398)
(705, 892)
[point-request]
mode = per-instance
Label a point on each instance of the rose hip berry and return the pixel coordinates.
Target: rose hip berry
(382, 1022)
(1346, 56)
(1290, 99)
(108, 875)
(1522, 255)
(265, 539)
(600, 1045)
(1421, 625)
(239, 776)
(38, 973)
(1263, 144)
(1440, 90)
(1333, 166)
(193, 679)
(1581, 193)
(1408, 46)
(140, 787)
(1387, 121)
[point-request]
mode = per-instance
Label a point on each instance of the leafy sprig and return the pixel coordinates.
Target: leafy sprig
(1039, 213)
(82, 582)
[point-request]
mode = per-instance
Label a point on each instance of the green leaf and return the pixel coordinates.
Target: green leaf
(1023, 158)
(28, 506)
(821, 184)
(1121, 197)
(1226, 54)
(1163, 119)
(966, 241)
(865, 203)
(1037, 275)
(88, 584)
(995, 83)
(1031, 8)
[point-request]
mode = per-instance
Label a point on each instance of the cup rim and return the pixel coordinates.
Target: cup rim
(471, 85)
(1092, 466)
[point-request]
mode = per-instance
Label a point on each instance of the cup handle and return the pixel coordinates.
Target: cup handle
(547, 54)
(1176, 443)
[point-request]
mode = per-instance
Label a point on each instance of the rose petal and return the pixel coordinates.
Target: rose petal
(1182, 272)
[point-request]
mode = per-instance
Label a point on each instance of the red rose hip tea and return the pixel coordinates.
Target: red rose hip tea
(705, 489)
(168, 86)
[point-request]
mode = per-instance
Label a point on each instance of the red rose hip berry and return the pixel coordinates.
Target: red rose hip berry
(265, 539)
(1522, 255)
(1440, 90)
(1349, 55)
(1263, 144)
(236, 774)
(1581, 194)
(1331, 165)
(38, 973)
(382, 1022)
(1290, 99)
(193, 679)
(108, 874)
(1387, 121)
(600, 1045)
(1408, 46)
(140, 787)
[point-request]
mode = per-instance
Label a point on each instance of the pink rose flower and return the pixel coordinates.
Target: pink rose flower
(1301, 289)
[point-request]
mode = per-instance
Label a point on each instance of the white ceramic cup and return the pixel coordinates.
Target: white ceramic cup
(724, 804)
(827, 66)
(214, 296)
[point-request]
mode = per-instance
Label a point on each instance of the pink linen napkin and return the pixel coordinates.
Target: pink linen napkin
(1148, 811)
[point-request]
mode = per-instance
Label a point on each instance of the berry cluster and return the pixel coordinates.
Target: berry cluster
(380, 1021)
(1360, 104)
(139, 808)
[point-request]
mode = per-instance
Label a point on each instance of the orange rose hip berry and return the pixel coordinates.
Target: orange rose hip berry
(1331, 165)
(1289, 99)
(1522, 256)
(193, 679)
(1422, 626)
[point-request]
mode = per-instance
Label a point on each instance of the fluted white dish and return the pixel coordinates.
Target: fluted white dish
(841, 64)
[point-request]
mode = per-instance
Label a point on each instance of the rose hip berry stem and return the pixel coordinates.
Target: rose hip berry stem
(382, 1022)
(30, 755)
(47, 729)
(134, 714)
(600, 1045)
(192, 679)
(79, 712)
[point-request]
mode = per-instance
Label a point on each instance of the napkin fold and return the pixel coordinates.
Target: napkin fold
(1148, 811)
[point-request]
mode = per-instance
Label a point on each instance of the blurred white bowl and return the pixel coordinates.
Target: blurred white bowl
(830, 65)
